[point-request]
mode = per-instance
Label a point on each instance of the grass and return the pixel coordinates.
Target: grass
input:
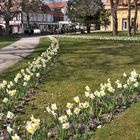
(109, 33)
(5, 41)
(81, 63)
(12, 71)
(125, 127)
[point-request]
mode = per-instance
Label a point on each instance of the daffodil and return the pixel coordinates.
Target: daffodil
(66, 125)
(16, 137)
(63, 119)
(69, 112)
(10, 115)
(12, 92)
(69, 105)
(77, 110)
(87, 94)
(86, 105)
(76, 99)
(53, 107)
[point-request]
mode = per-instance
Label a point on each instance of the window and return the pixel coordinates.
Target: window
(124, 24)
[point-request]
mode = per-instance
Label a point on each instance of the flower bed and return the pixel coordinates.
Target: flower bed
(82, 116)
(14, 94)
(119, 38)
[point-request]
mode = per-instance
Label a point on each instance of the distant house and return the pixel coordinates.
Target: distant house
(59, 10)
(38, 20)
(53, 14)
(122, 14)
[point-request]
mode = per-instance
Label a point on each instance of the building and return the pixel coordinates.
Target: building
(51, 17)
(122, 14)
(59, 10)
(37, 20)
(19, 23)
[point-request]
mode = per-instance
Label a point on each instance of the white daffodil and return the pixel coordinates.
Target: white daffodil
(69, 113)
(53, 107)
(10, 115)
(76, 99)
(124, 75)
(63, 119)
(77, 110)
(88, 88)
(16, 137)
(5, 100)
(9, 129)
(69, 105)
(66, 125)
(87, 94)
(12, 92)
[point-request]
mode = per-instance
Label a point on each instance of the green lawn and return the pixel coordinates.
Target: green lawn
(4, 41)
(11, 72)
(81, 63)
(125, 127)
(109, 33)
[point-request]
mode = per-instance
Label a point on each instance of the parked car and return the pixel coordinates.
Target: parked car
(37, 31)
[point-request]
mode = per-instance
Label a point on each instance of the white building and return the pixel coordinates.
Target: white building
(19, 22)
(59, 10)
(55, 16)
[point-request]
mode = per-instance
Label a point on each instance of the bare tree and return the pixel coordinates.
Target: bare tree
(129, 18)
(114, 7)
(29, 7)
(8, 10)
(135, 16)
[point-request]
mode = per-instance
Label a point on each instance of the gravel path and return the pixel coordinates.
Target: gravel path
(15, 52)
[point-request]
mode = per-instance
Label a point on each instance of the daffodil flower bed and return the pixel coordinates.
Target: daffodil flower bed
(11, 92)
(82, 115)
(119, 38)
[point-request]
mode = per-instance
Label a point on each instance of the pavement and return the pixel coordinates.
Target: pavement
(17, 51)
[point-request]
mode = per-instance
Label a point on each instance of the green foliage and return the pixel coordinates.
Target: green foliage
(84, 11)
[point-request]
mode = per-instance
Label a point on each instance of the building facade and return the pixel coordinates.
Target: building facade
(19, 23)
(53, 14)
(59, 10)
(122, 14)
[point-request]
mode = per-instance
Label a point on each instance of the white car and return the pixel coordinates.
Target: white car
(37, 31)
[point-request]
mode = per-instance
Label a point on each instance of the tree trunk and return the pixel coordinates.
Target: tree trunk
(129, 18)
(88, 28)
(28, 21)
(28, 25)
(114, 17)
(115, 24)
(135, 17)
(7, 32)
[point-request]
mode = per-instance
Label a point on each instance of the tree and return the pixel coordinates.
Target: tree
(105, 14)
(29, 7)
(8, 10)
(129, 18)
(135, 16)
(83, 11)
(114, 7)
(11, 8)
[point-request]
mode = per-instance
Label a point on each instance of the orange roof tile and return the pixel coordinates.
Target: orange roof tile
(56, 4)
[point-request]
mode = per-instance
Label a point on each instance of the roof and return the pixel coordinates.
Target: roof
(56, 4)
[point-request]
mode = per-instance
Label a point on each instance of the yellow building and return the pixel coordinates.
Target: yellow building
(122, 14)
